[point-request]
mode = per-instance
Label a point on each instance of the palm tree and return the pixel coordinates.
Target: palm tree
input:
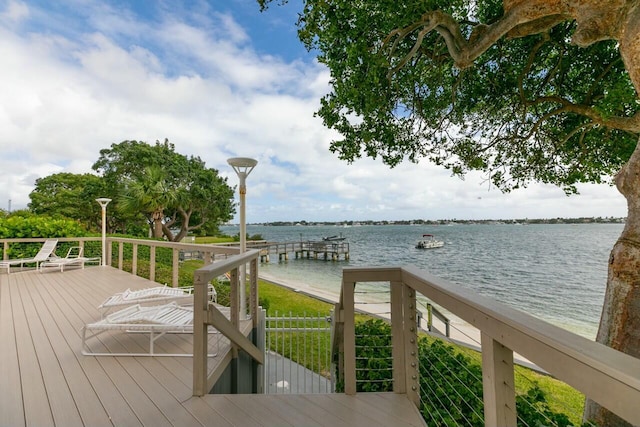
(150, 194)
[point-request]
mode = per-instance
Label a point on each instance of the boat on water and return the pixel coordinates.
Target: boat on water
(429, 241)
(333, 238)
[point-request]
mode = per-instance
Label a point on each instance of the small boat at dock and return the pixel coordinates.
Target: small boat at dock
(333, 238)
(429, 241)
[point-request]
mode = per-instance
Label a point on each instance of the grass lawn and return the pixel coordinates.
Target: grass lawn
(214, 239)
(561, 397)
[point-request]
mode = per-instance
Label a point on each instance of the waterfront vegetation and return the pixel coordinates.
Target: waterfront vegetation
(519, 221)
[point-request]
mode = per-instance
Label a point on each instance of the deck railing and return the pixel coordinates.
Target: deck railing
(37, 241)
(210, 252)
(206, 313)
(607, 376)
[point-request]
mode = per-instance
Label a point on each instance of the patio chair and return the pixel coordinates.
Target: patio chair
(156, 321)
(45, 252)
(153, 295)
(74, 257)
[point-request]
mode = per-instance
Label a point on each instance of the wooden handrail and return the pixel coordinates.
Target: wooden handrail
(607, 376)
(218, 320)
(206, 314)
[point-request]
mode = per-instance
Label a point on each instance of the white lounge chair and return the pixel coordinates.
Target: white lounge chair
(154, 295)
(74, 257)
(45, 252)
(156, 320)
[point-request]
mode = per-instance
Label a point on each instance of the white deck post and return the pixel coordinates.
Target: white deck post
(348, 290)
(120, 255)
(152, 263)
(412, 370)
(175, 268)
(397, 338)
(498, 384)
(253, 291)
(200, 335)
(134, 259)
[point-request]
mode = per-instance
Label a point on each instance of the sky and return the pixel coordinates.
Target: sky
(219, 79)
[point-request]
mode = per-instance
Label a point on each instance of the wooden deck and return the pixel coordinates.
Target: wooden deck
(46, 381)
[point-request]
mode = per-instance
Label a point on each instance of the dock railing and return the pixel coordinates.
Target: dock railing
(607, 376)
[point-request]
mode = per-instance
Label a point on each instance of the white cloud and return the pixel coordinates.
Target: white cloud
(15, 12)
(197, 81)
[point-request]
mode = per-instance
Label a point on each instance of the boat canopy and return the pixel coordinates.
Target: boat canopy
(427, 235)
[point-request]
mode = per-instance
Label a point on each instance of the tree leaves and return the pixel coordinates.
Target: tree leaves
(535, 108)
(173, 190)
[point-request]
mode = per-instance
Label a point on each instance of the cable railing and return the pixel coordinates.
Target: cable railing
(299, 356)
(480, 388)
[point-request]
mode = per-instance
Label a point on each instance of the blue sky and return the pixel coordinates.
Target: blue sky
(219, 79)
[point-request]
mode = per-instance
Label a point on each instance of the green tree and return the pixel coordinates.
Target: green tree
(199, 197)
(150, 195)
(522, 90)
(68, 195)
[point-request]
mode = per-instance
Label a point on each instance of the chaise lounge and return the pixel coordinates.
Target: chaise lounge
(154, 295)
(155, 320)
(74, 257)
(43, 255)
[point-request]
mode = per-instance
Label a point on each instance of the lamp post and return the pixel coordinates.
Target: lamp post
(243, 167)
(103, 203)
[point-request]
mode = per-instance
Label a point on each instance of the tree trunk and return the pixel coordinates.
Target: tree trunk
(620, 321)
(157, 224)
(184, 228)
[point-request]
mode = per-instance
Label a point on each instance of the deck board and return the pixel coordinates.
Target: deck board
(57, 382)
(46, 381)
(34, 395)
(11, 403)
(95, 392)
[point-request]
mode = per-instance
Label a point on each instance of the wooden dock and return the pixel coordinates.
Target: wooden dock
(46, 381)
(319, 250)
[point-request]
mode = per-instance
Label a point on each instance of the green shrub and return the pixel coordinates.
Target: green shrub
(37, 226)
(450, 382)
(373, 356)
(451, 385)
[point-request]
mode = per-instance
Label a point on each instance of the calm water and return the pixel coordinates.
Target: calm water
(554, 272)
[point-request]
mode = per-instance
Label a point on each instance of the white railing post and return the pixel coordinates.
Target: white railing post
(397, 338)
(253, 291)
(134, 259)
(152, 263)
(412, 369)
(175, 268)
(498, 384)
(120, 255)
(348, 290)
(404, 341)
(109, 251)
(200, 335)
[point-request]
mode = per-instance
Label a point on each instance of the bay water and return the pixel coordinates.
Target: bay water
(556, 272)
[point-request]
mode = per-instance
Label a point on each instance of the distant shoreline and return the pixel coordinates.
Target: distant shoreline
(521, 221)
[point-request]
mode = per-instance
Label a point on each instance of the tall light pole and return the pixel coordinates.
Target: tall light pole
(103, 203)
(243, 167)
